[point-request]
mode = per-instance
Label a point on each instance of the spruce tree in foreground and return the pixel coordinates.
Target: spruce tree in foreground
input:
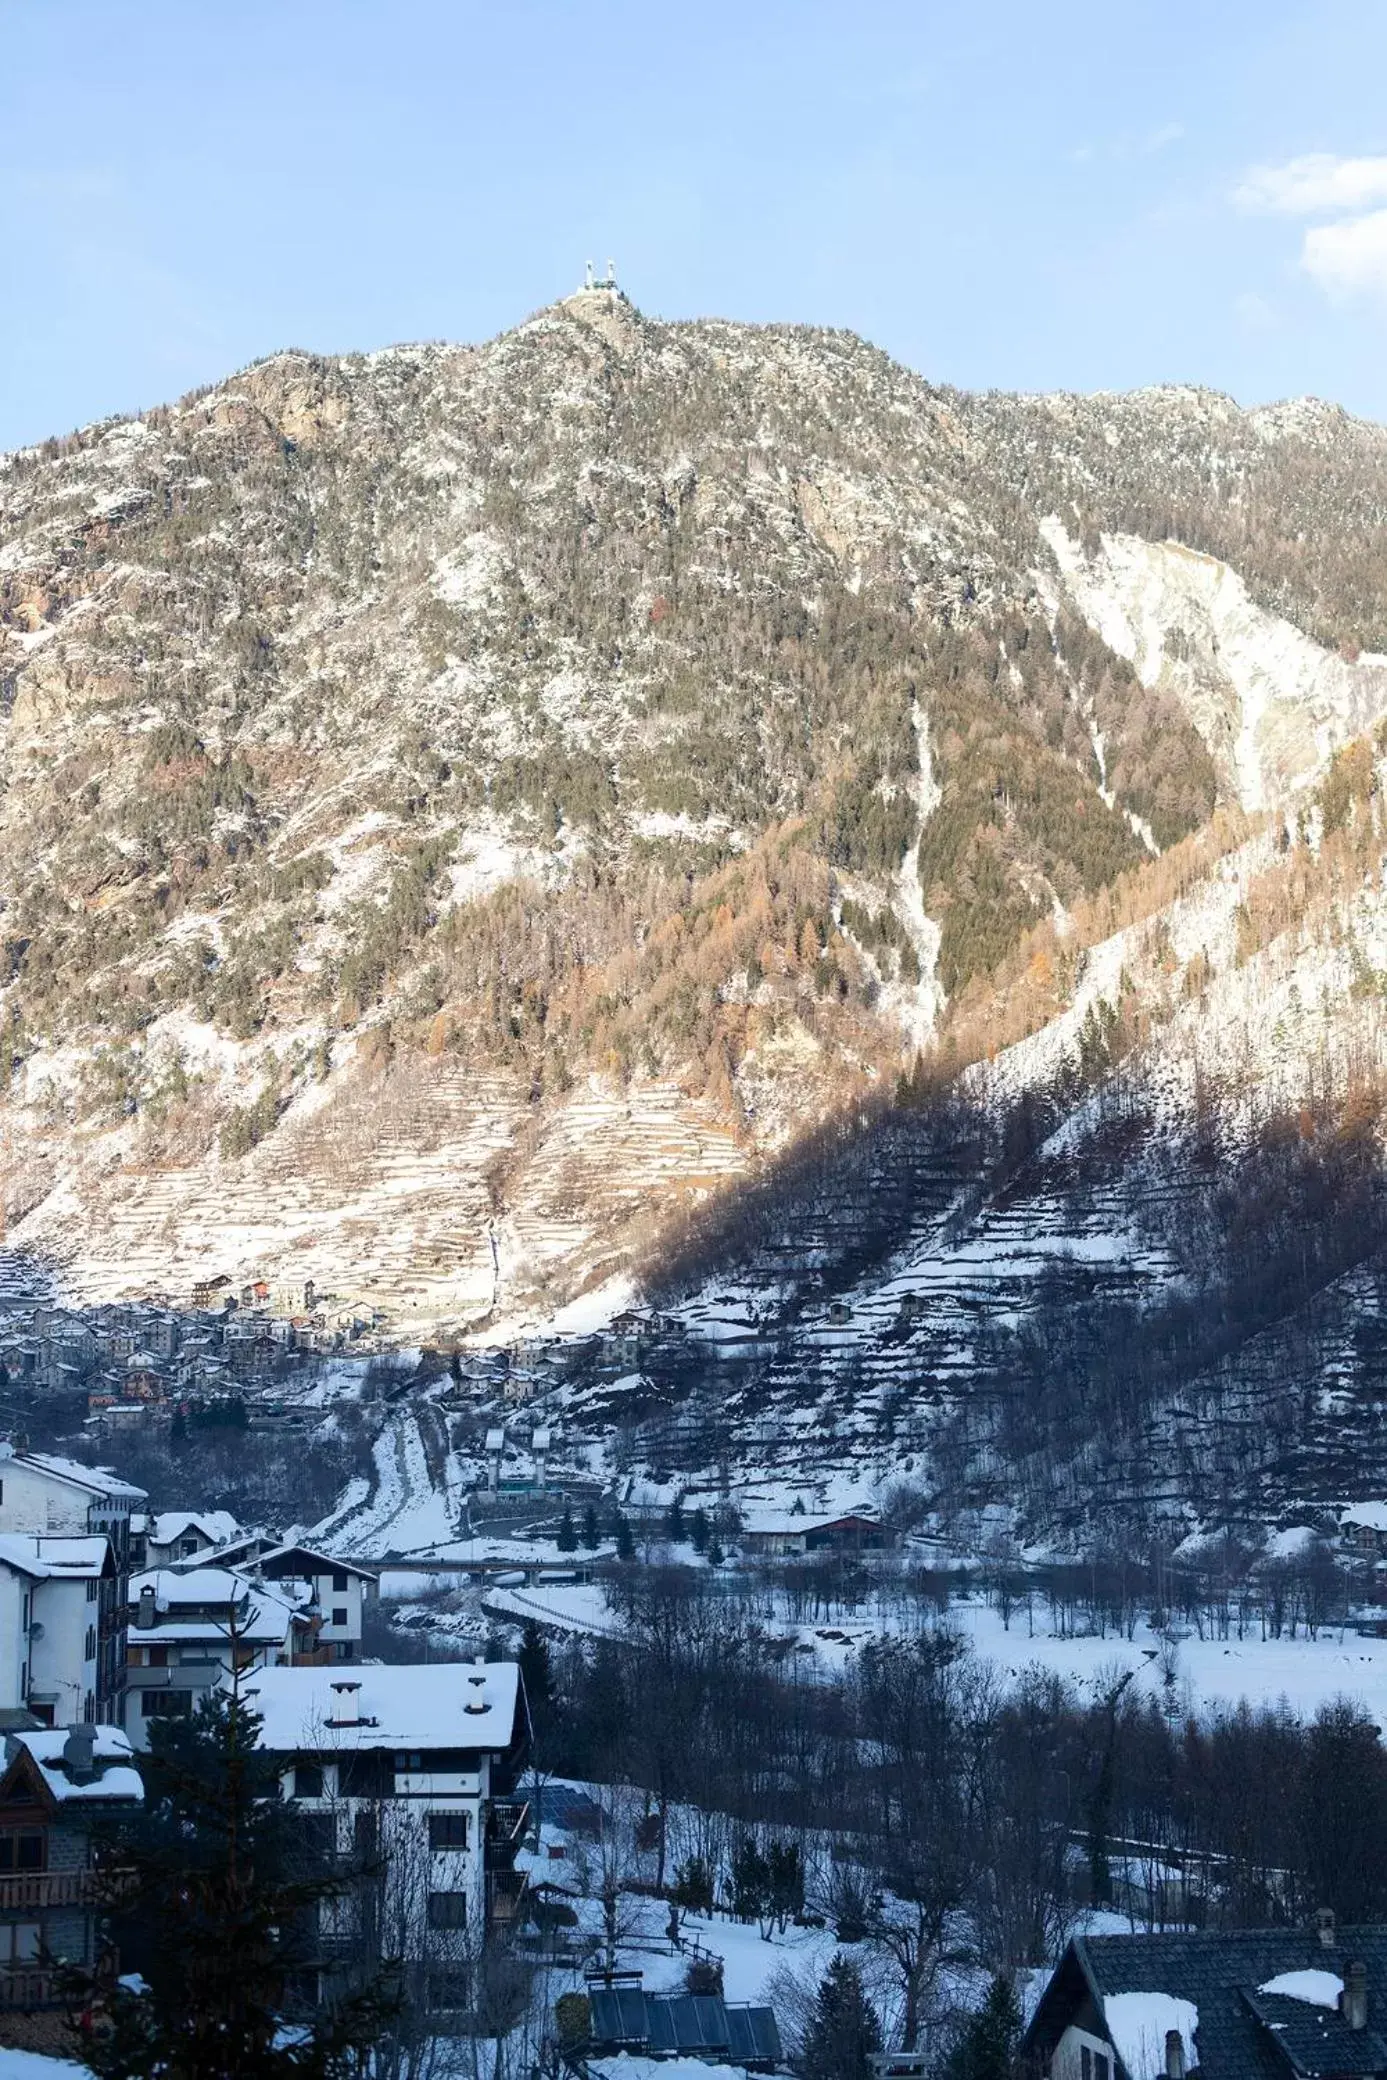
(844, 2031)
(988, 2048)
(218, 1893)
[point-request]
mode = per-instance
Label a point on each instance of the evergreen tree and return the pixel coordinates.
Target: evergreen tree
(675, 1530)
(988, 2048)
(698, 1531)
(715, 1553)
(568, 1538)
(750, 1879)
(843, 2031)
(537, 1674)
(219, 1891)
(625, 1543)
(592, 1537)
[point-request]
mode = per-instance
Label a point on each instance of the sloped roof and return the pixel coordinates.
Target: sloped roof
(273, 1561)
(441, 1704)
(98, 1480)
(218, 1525)
(116, 1775)
(52, 1558)
(1242, 2034)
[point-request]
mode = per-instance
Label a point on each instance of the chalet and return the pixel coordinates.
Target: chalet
(783, 1536)
(57, 1606)
(417, 1768)
(55, 1785)
(1245, 2005)
(1364, 1528)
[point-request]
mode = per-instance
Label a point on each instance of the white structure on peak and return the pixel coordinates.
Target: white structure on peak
(608, 281)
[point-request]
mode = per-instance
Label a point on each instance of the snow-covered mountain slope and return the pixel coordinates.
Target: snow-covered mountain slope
(460, 804)
(1270, 703)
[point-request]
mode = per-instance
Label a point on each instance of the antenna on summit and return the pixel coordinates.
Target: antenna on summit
(589, 283)
(611, 274)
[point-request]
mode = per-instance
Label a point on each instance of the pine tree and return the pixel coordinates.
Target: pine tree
(698, 1531)
(988, 2047)
(537, 1674)
(220, 1892)
(592, 1537)
(567, 1540)
(625, 1543)
(844, 2031)
(674, 1522)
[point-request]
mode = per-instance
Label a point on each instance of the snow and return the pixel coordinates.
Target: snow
(36, 2065)
(1138, 2024)
(1370, 1516)
(455, 1704)
(749, 1959)
(626, 2067)
(118, 1778)
(1319, 1989)
(574, 1607)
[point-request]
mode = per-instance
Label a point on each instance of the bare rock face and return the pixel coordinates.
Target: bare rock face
(557, 771)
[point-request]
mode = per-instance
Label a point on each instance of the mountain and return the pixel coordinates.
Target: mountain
(463, 807)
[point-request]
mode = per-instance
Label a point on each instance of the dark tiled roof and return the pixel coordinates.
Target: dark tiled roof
(1241, 2035)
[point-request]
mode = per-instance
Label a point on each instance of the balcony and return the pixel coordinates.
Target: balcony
(506, 1821)
(45, 1889)
(504, 1892)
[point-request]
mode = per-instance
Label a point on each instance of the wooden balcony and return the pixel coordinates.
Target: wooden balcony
(45, 1889)
(28, 1986)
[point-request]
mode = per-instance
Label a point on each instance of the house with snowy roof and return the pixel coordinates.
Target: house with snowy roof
(414, 1771)
(1364, 1527)
(1265, 2004)
(182, 1534)
(337, 1590)
(186, 1630)
(785, 1534)
(59, 1643)
(56, 1786)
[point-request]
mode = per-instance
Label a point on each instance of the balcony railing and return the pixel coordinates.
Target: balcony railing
(506, 1823)
(504, 1892)
(31, 1987)
(45, 1889)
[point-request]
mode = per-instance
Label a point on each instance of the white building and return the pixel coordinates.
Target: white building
(337, 1591)
(59, 1498)
(415, 1768)
(182, 1534)
(51, 1607)
(186, 1630)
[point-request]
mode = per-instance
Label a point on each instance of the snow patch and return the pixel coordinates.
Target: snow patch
(1138, 2024)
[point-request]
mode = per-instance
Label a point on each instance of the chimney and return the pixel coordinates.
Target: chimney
(1355, 2001)
(1324, 1927)
(147, 1616)
(1174, 2055)
(346, 1710)
(79, 1754)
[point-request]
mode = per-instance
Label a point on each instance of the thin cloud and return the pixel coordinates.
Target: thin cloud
(1316, 184)
(1349, 258)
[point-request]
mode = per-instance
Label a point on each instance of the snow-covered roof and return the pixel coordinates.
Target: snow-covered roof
(1138, 2024)
(116, 1775)
(1320, 1989)
(50, 1559)
(453, 1704)
(217, 1525)
(1371, 1516)
(97, 1480)
(198, 1606)
(322, 1563)
(784, 1523)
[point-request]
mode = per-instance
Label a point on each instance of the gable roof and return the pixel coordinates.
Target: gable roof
(96, 1480)
(43, 1558)
(1243, 2031)
(37, 1758)
(217, 1525)
(284, 1560)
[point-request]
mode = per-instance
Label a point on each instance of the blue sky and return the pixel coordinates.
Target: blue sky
(1069, 195)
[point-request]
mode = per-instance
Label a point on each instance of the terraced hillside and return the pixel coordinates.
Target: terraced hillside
(461, 804)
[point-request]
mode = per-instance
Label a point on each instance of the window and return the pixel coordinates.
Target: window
(90, 1654)
(156, 1657)
(448, 1986)
(339, 1583)
(447, 1910)
(1100, 2066)
(409, 1763)
(339, 1614)
(93, 1587)
(166, 1704)
(23, 1849)
(308, 1780)
(448, 1830)
(21, 1942)
(1086, 2062)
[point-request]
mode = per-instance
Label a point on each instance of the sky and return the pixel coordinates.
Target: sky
(1063, 196)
